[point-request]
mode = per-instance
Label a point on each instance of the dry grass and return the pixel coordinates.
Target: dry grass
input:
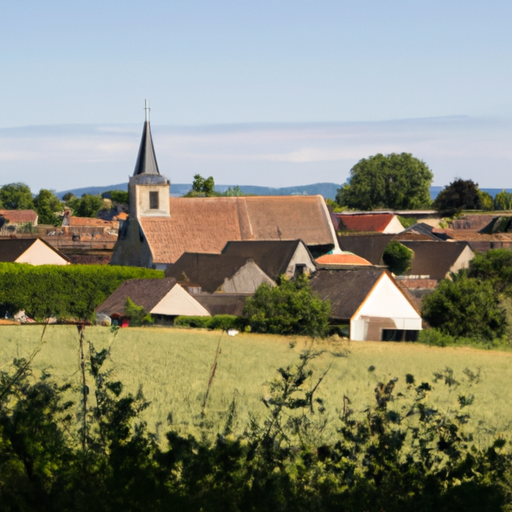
(173, 367)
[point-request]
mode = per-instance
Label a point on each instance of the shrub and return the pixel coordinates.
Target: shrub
(288, 308)
(225, 322)
(136, 314)
(193, 321)
(398, 257)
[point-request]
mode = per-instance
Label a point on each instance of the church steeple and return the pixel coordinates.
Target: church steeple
(148, 189)
(146, 159)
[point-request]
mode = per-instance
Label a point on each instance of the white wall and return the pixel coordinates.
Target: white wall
(394, 226)
(179, 302)
(385, 307)
(301, 256)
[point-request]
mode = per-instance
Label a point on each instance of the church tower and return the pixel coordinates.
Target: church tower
(148, 189)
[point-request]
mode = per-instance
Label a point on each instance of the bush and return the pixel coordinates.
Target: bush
(398, 257)
(136, 314)
(288, 308)
(193, 321)
(225, 322)
(71, 291)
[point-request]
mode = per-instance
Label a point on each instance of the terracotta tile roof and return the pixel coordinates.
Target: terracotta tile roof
(470, 235)
(206, 224)
(342, 259)
(91, 222)
(143, 292)
(19, 216)
(367, 222)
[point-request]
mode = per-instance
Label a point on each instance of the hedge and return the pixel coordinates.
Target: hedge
(223, 322)
(70, 291)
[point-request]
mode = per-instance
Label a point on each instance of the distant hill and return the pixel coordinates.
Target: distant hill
(327, 190)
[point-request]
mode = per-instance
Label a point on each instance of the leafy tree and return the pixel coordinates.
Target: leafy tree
(136, 314)
(503, 200)
(288, 308)
(486, 200)
(459, 195)
(465, 307)
(398, 257)
(202, 187)
(16, 196)
(494, 267)
(397, 181)
(46, 203)
(87, 206)
(116, 196)
(69, 196)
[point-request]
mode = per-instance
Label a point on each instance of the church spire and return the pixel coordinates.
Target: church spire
(146, 159)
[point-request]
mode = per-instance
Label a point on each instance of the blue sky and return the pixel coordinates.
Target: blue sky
(298, 76)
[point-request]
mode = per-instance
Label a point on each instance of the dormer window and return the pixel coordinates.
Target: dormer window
(153, 200)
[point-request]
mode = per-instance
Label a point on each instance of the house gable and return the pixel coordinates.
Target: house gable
(246, 279)
(179, 302)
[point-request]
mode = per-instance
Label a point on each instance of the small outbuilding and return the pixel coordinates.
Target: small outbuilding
(35, 251)
(370, 301)
(164, 299)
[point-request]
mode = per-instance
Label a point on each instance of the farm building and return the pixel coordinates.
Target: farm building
(242, 266)
(35, 251)
(160, 229)
(386, 223)
(18, 217)
(164, 299)
(370, 301)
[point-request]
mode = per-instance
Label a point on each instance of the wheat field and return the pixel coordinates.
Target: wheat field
(173, 367)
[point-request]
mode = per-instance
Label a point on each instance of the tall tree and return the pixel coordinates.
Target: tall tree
(46, 204)
(87, 206)
(16, 196)
(397, 181)
(459, 195)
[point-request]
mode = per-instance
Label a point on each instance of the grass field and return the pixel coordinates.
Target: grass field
(173, 367)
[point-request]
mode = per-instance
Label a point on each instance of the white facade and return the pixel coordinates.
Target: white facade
(385, 307)
(394, 226)
(40, 254)
(179, 302)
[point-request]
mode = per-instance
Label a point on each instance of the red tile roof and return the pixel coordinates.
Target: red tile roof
(366, 222)
(19, 216)
(92, 222)
(206, 224)
(342, 259)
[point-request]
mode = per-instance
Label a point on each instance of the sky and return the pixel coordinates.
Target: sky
(273, 93)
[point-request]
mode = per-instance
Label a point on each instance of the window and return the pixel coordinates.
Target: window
(153, 200)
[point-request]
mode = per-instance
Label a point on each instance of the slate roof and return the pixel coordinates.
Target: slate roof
(346, 289)
(146, 158)
(222, 303)
(365, 222)
(433, 259)
(369, 247)
(143, 292)
(12, 248)
(19, 216)
(210, 270)
(206, 224)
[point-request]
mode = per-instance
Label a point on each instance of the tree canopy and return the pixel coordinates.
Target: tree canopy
(397, 181)
(87, 206)
(46, 204)
(459, 195)
(16, 196)
(288, 308)
(398, 257)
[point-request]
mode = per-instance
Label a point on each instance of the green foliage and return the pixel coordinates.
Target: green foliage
(136, 314)
(397, 181)
(398, 257)
(495, 268)
(69, 291)
(202, 187)
(46, 203)
(221, 322)
(407, 222)
(465, 307)
(459, 195)
(288, 308)
(503, 200)
(400, 453)
(69, 196)
(16, 196)
(486, 200)
(116, 196)
(87, 206)
(233, 192)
